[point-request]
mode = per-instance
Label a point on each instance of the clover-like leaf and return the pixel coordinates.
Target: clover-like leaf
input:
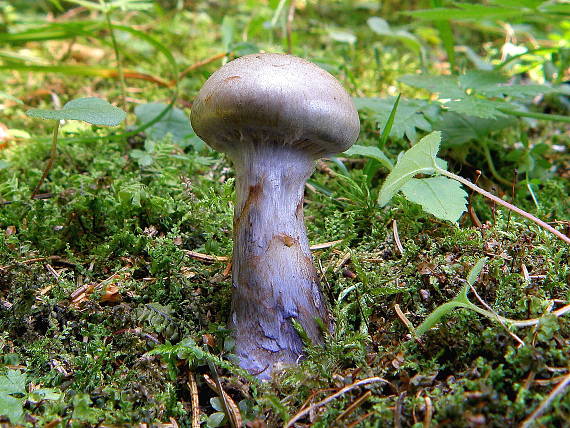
(439, 196)
(420, 159)
(93, 110)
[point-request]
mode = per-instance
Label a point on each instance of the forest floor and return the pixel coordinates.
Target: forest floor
(115, 281)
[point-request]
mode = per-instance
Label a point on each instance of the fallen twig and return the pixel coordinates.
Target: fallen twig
(232, 410)
(193, 386)
(201, 64)
(545, 404)
(397, 237)
(330, 398)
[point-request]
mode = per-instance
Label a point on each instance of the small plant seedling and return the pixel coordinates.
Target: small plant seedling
(462, 301)
(439, 195)
(13, 395)
(95, 111)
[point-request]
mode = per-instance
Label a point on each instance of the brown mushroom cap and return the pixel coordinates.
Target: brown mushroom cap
(279, 98)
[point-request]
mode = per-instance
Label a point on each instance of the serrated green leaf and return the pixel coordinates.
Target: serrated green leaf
(445, 86)
(459, 129)
(439, 196)
(13, 382)
(95, 111)
(12, 407)
(175, 122)
(420, 159)
(480, 79)
(411, 115)
(478, 107)
(382, 28)
(371, 153)
(476, 270)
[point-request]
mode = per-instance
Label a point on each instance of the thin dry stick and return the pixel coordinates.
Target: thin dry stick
(201, 64)
(512, 207)
(231, 408)
(398, 410)
(429, 412)
(397, 237)
(52, 156)
(330, 398)
(289, 28)
(557, 391)
(354, 405)
(404, 319)
(193, 386)
(514, 336)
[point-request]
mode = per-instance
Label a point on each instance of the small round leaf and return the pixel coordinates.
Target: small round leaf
(95, 111)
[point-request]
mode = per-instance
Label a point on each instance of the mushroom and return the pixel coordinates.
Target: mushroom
(274, 115)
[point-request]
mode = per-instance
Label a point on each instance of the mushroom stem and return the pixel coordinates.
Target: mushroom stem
(274, 280)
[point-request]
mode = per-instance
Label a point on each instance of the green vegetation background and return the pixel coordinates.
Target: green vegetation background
(96, 271)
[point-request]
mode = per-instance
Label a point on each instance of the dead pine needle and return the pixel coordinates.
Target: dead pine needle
(193, 387)
(404, 319)
(332, 397)
(545, 404)
(397, 237)
(353, 406)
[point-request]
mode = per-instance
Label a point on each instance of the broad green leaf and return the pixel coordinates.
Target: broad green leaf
(342, 36)
(411, 115)
(12, 407)
(4, 164)
(459, 129)
(439, 196)
(95, 111)
(372, 153)
(476, 270)
(420, 159)
(480, 80)
(382, 28)
(478, 107)
(13, 382)
(216, 403)
(175, 122)
(445, 86)
(467, 12)
(215, 420)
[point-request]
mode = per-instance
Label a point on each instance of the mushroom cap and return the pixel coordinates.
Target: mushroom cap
(277, 98)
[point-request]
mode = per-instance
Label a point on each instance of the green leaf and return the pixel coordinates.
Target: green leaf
(467, 12)
(478, 107)
(95, 111)
(82, 409)
(382, 28)
(13, 382)
(410, 115)
(445, 86)
(480, 79)
(215, 420)
(342, 36)
(371, 153)
(439, 196)
(459, 129)
(420, 159)
(476, 270)
(12, 407)
(175, 122)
